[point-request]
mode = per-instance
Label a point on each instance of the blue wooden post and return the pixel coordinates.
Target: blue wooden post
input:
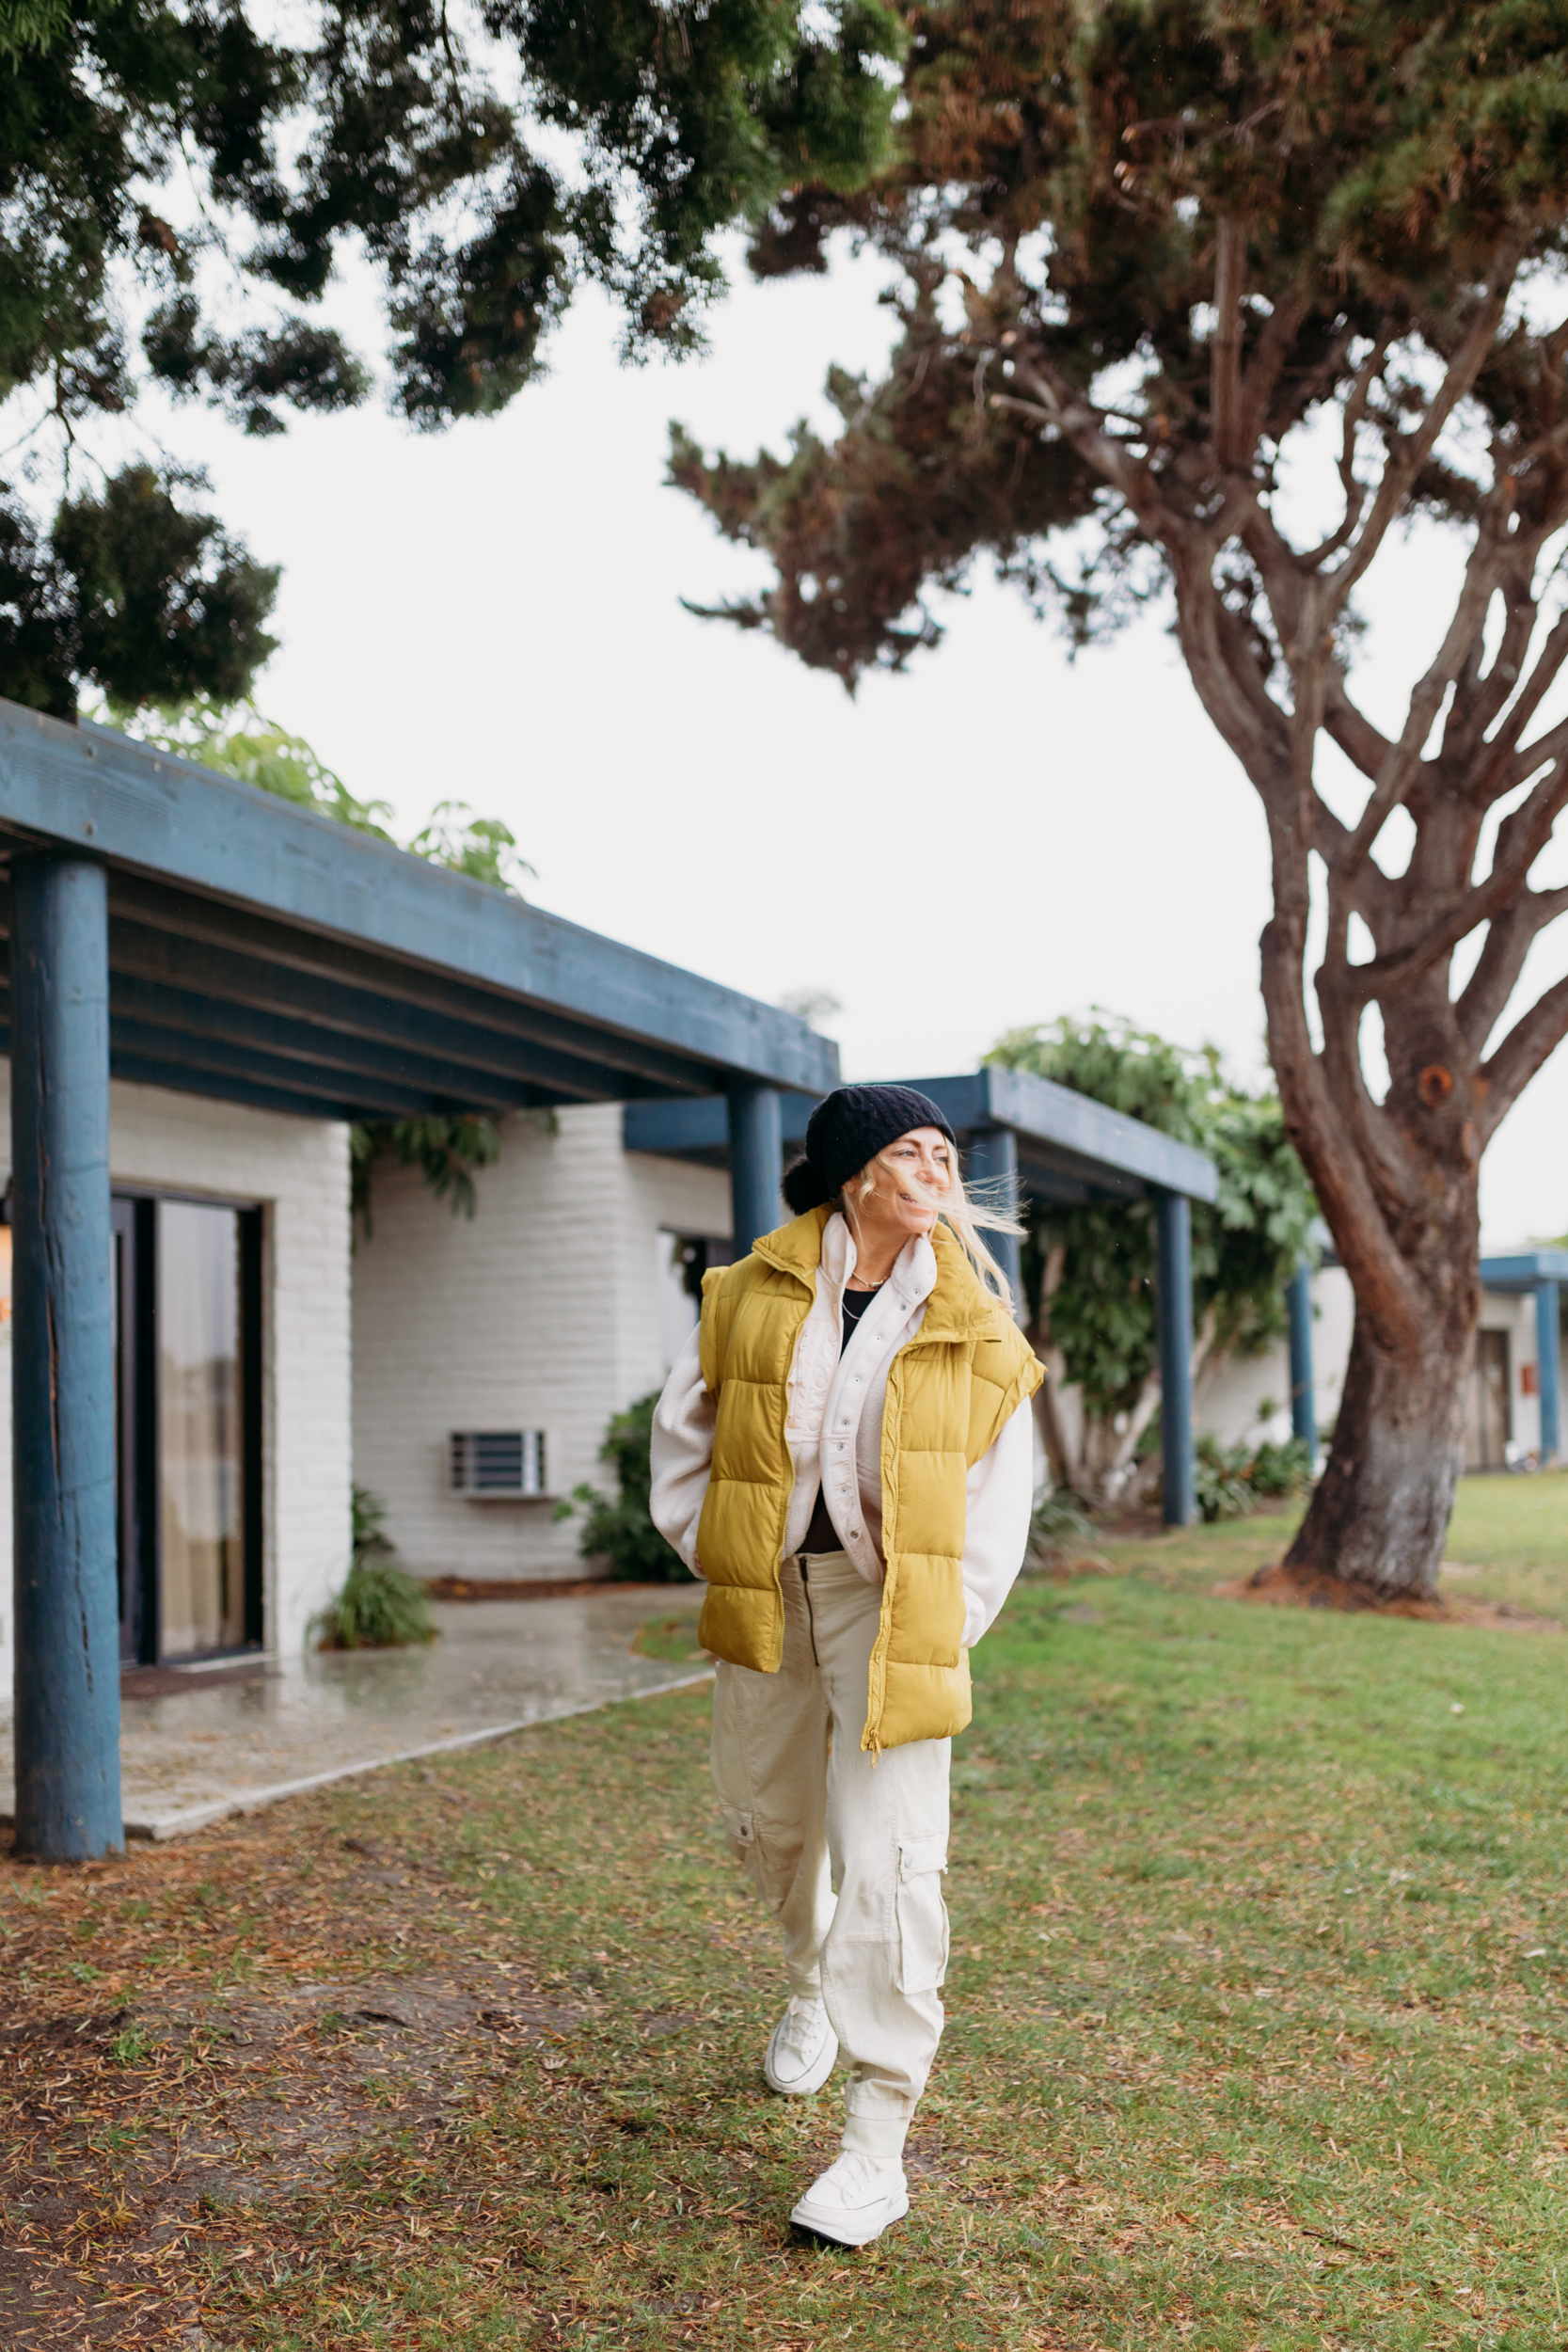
(757, 1162)
(62, 1365)
(1547, 1349)
(1173, 1306)
(1303, 1403)
(994, 1162)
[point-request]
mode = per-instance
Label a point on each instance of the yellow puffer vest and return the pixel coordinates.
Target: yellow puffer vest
(950, 1391)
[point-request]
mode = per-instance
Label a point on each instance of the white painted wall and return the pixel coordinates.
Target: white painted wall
(1232, 1404)
(297, 1169)
(549, 1310)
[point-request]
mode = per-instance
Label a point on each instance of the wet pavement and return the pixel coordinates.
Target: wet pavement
(221, 1745)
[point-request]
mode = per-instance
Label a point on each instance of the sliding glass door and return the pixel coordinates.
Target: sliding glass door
(187, 1298)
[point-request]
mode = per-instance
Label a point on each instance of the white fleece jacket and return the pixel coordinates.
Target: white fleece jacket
(834, 1429)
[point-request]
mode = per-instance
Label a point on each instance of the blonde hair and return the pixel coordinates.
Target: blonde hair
(964, 1209)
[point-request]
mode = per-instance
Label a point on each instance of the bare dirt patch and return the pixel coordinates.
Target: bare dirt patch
(1278, 1587)
(154, 2140)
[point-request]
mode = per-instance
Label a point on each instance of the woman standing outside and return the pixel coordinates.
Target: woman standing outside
(844, 1453)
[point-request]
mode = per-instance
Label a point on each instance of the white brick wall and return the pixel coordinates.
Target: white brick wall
(298, 1169)
(541, 1314)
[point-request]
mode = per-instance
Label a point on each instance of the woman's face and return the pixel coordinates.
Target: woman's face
(911, 1179)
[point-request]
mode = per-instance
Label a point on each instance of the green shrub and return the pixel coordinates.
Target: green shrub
(620, 1529)
(377, 1606)
(1059, 1527)
(1233, 1480)
(1281, 1470)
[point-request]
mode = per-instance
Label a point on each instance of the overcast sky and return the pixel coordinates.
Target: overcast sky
(493, 614)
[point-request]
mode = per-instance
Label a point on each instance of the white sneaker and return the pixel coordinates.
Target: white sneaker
(802, 2049)
(855, 2198)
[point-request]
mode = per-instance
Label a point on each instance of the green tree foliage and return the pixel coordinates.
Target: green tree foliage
(620, 1527)
(177, 183)
(242, 742)
(1088, 1268)
(1205, 300)
(131, 588)
(446, 1148)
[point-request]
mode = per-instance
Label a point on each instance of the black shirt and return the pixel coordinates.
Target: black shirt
(822, 1535)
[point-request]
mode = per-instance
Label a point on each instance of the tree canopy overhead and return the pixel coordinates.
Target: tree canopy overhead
(1202, 299)
(177, 183)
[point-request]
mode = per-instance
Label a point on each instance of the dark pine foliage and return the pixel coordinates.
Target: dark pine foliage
(177, 181)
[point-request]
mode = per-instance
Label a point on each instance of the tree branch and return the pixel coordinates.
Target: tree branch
(1509, 937)
(1399, 770)
(1521, 840)
(1262, 378)
(1410, 451)
(1479, 695)
(1534, 1036)
(1225, 367)
(1364, 746)
(1549, 747)
(1355, 490)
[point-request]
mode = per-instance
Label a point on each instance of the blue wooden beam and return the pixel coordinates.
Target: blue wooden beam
(485, 1022)
(698, 1127)
(187, 1013)
(344, 1009)
(1522, 1269)
(1088, 1137)
(180, 1078)
(373, 1096)
(1066, 1146)
(140, 809)
(1548, 1351)
(756, 1162)
(994, 1165)
(1304, 1400)
(1173, 1302)
(66, 1716)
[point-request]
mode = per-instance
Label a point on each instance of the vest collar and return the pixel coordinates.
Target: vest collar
(936, 1270)
(797, 1247)
(959, 1304)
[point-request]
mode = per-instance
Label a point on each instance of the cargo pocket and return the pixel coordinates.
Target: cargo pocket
(739, 1835)
(922, 1914)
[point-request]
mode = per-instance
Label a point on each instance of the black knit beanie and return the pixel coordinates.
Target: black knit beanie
(849, 1127)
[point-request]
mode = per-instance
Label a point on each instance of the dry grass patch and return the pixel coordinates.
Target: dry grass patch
(1256, 2033)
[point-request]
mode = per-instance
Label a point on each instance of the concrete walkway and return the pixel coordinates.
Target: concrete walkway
(190, 1755)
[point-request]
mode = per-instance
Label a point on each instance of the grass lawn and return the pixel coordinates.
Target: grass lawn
(1256, 2035)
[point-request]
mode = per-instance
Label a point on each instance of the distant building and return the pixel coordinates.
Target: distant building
(1512, 1413)
(205, 986)
(575, 1286)
(561, 1300)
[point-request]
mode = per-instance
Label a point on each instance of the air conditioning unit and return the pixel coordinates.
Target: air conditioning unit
(498, 1465)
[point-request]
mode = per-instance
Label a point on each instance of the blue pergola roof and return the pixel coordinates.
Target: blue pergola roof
(262, 954)
(1522, 1269)
(1069, 1147)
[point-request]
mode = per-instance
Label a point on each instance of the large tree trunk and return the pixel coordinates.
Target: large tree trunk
(1380, 1513)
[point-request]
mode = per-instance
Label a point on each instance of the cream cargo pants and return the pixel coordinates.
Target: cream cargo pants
(806, 1813)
